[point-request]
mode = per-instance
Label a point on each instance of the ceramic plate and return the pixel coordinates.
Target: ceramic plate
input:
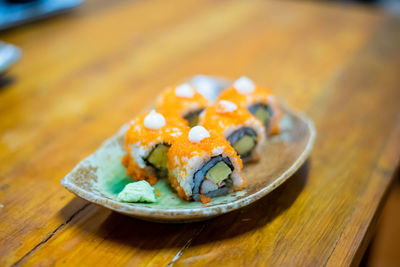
(101, 176)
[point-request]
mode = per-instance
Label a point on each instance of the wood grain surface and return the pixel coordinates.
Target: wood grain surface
(83, 74)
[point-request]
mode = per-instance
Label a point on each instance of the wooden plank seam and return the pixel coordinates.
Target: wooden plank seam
(48, 237)
(188, 243)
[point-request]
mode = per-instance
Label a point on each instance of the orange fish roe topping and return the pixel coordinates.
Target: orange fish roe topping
(181, 193)
(183, 149)
(240, 188)
(204, 199)
(214, 118)
(137, 132)
(133, 170)
(158, 192)
(259, 95)
(170, 103)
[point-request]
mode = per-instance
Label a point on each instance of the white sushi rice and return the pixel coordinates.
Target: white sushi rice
(273, 104)
(139, 152)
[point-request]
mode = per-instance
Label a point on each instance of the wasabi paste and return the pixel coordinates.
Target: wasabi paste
(137, 192)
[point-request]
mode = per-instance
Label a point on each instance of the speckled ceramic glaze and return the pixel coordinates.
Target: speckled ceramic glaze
(101, 176)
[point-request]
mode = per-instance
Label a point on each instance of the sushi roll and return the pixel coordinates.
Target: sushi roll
(202, 165)
(245, 133)
(147, 142)
(184, 101)
(259, 101)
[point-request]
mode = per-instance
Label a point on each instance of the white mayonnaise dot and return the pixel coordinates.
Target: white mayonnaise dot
(154, 120)
(224, 106)
(184, 90)
(198, 133)
(244, 85)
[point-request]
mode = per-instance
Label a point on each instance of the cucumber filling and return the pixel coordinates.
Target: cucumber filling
(193, 117)
(245, 145)
(243, 141)
(158, 156)
(263, 115)
(218, 173)
(213, 179)
(261, 112)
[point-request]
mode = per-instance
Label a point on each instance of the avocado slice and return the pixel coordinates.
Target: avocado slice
(245, 145)
(219, 172)
(158, 156)
(263, 114)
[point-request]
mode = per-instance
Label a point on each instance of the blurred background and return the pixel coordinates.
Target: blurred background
(22, 20)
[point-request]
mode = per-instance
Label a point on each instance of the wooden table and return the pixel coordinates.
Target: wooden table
(83, 74)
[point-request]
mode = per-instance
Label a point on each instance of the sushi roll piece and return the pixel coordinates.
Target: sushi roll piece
(147, 142)
(258, 100)
(202, 165)
(210, 87)
(184, 101)
(245, 133)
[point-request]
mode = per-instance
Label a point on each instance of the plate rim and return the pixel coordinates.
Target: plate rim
(174, 214)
